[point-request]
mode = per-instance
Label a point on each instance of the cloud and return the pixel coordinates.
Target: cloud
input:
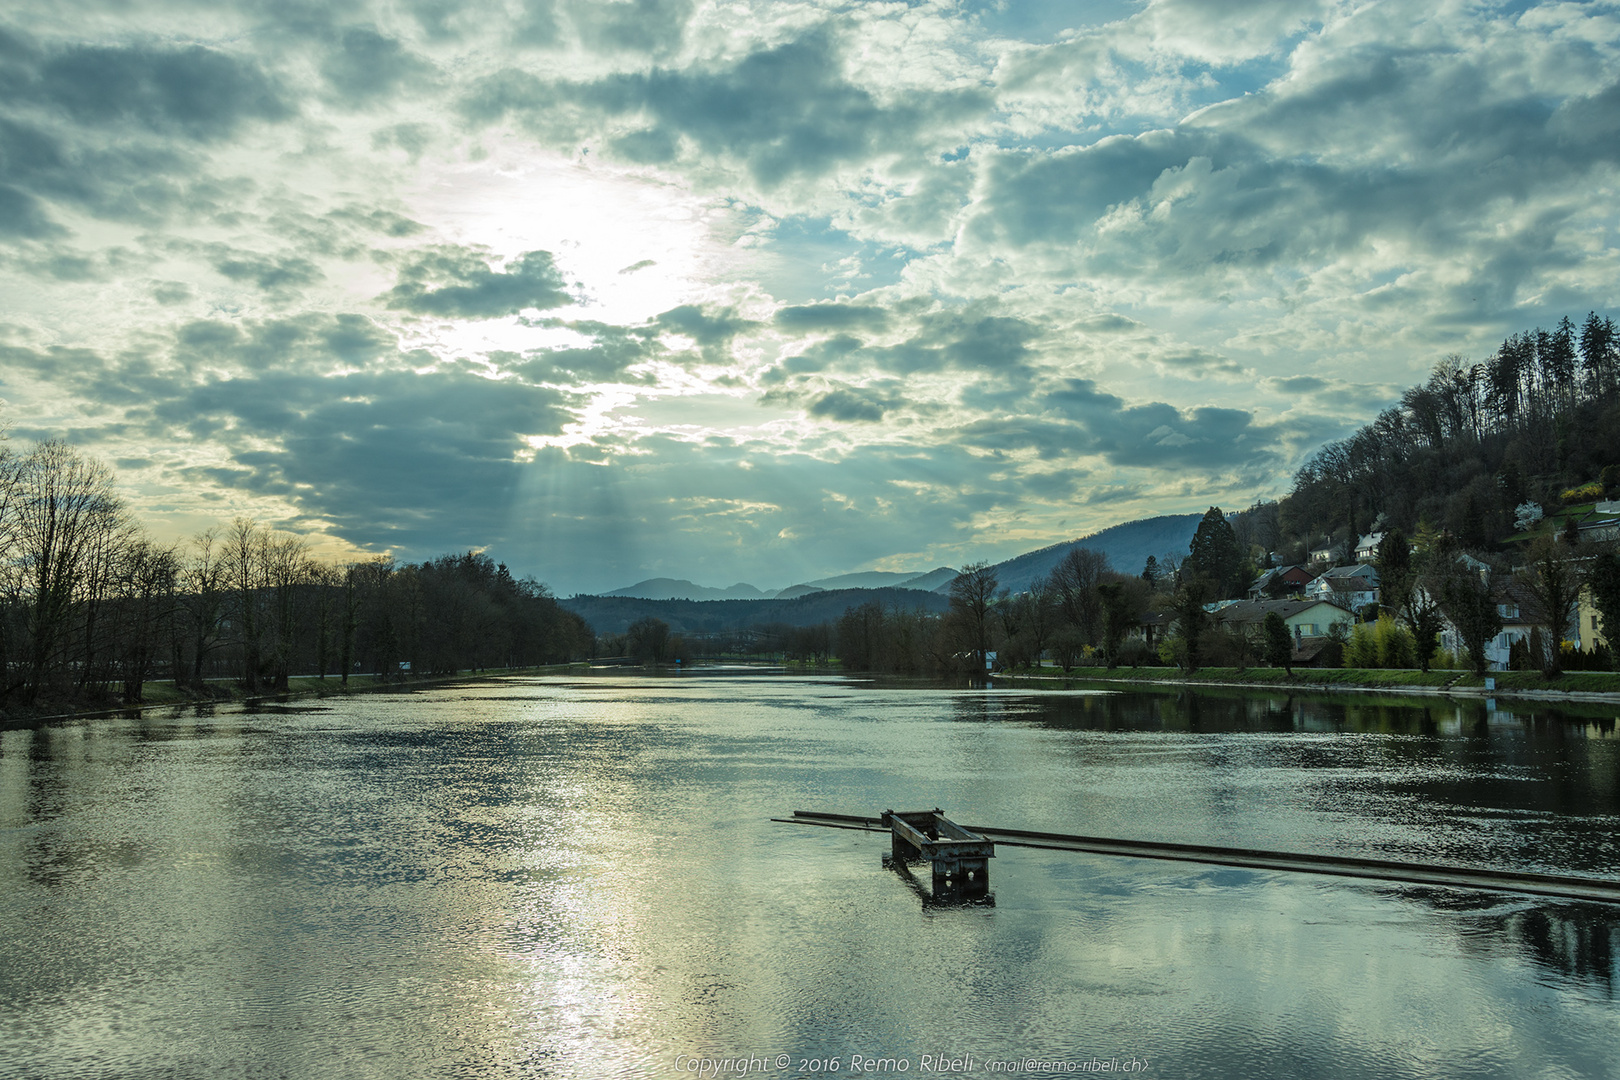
(453, 282)
(778, 114)
(22, 215)
(644, 26)
(278, 275)
(832, 318)
(1160, 436)
(199, 93)
(849, 404)
(363, 65)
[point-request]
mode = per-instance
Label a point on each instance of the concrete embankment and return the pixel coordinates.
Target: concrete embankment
(1597, 686)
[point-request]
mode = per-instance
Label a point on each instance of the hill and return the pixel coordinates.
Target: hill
(1127, 546)
(931, 581)
(614, 614)
(664, 588)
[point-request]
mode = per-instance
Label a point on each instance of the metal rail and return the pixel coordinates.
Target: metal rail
(1567, 887)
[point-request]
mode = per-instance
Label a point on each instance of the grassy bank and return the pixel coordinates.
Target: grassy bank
(160, 695)
(1462, 682)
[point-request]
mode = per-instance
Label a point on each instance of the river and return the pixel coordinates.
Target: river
(580, 878)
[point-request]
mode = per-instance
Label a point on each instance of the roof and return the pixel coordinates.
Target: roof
(1359, 570)
(1251, 611)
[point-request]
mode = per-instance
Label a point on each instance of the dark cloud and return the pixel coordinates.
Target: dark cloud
(364, 65)
(312, 342)
(1082, 420)
(195, 92)
(994, 347)
(454, 282)
(782, 113)
(22, 215)
(414, 139)
(832, 318)
(278, 275)
(172, 292)
(645, 26)
(1200, 363)
(850, 404)
(387, 456)
(1298, 384)
(1157, 435)
(535, 23)
(706, 325)
(1048, 439)
(127, 180)
(1381, 143)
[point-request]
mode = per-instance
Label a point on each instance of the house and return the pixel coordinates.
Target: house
(1588, 623)
(1595, 528)
(1304, 618)
(1152, 627)
(1328, 553)
(1517, 608)
(1367, 546)
(1350, 587)
(1281, 581)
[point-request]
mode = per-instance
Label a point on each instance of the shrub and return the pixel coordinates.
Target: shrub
(1134, 652)
(1584, 493)
(1382, 644)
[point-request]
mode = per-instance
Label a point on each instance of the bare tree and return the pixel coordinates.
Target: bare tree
(1554, 579)
(973, 594)
(1073, 584)
(287, 569)
(243, 558)
(65, 511)
(203, 598)
(145, 577)
(10, 582)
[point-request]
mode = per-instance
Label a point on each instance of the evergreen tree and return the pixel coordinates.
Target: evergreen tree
(1192, 621)
(1395, 575)
(1603, 578)
(1216, 555)
(1555, 581)
(1466, 600)
(1279, 644)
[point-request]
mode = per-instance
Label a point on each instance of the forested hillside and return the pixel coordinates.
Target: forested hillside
(1539, 417)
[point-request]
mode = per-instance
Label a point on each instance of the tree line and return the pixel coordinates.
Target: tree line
(92, 604)
(1080, 612)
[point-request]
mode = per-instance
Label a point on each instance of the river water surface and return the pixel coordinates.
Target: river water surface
(580, 878)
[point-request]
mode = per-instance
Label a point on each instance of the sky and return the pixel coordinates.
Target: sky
(763, 292)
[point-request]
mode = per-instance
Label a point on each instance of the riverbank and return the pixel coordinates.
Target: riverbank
(166, 695)
(1570, 686)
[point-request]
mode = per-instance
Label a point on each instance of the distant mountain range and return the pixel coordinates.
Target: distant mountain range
(691, 608)
(681, 589)
(614, 614)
